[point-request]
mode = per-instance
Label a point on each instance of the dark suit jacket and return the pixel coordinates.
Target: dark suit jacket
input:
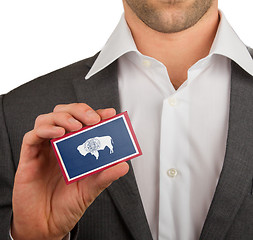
(117, 214)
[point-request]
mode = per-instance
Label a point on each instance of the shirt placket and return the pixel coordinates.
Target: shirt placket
(174, 174)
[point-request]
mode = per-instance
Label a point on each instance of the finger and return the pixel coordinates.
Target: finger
(61, 119)
(92, 186)
(106, 113)
(42, 133)
(81, 112)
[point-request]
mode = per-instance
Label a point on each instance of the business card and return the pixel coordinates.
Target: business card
(95, 148)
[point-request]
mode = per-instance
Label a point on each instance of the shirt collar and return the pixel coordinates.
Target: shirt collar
(226, 43)
(119, 43)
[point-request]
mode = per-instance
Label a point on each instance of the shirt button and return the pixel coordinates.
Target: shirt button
(172, 172)
(146, 63)
(172, 102)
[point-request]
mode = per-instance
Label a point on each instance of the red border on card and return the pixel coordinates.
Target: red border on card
(125, 114)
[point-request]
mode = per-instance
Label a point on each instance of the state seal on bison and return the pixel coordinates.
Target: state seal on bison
(94, 145)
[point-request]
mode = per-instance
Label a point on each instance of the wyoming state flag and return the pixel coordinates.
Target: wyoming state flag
(95, 148)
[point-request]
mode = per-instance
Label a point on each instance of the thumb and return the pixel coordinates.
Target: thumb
(93, 185)
(106, 177)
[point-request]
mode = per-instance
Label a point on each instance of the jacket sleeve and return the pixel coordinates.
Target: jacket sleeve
(7, 173)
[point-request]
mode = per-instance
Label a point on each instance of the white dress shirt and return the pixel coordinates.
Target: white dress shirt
(182, 133)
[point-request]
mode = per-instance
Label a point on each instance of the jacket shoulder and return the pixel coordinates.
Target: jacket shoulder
(55, 87)
(56, 78)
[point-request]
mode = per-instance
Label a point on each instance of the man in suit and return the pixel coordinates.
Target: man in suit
(186, 80)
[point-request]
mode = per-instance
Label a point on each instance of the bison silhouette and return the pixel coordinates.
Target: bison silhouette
(93, 145)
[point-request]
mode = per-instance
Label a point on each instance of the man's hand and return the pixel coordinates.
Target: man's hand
(44, 207)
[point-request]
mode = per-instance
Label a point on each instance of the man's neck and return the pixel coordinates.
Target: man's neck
(177, 51)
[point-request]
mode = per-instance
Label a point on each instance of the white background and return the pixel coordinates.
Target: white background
(37, 37)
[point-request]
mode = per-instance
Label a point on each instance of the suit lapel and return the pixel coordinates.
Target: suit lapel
(237, 170)
(101, 91)
(125, 195)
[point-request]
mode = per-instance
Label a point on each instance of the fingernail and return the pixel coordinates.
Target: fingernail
(60, 131)
(74, 121)
(92, 114)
